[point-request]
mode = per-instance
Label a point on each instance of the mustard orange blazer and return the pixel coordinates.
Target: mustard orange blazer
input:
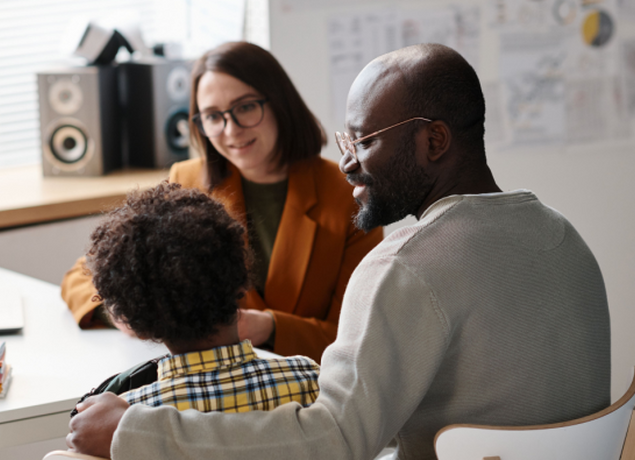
(316, 249)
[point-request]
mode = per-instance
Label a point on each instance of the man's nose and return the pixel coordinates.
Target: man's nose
(348, 163)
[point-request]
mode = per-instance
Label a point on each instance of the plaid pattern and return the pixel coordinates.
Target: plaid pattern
(229, 379)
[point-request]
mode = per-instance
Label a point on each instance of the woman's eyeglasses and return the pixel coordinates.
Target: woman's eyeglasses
(246, 114)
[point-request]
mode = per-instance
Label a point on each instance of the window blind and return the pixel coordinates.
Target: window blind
(31, 39)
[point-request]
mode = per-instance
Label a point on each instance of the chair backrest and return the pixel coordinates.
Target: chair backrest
(600, 436)
(66, 455)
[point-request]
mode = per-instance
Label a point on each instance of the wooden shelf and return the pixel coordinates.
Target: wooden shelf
(26, 197)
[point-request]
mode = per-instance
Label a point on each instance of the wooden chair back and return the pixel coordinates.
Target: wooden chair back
(605, 435)
(66, 455)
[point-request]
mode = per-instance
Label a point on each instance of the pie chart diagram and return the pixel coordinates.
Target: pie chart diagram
(597, 28)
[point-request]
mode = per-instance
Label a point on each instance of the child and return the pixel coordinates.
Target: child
(171, 265)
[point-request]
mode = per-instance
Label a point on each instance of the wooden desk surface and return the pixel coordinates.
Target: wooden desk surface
(26, 197)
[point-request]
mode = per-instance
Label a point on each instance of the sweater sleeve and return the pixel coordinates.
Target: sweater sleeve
(310, 336)
(391, 342)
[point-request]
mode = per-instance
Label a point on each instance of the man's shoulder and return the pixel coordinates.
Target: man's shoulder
(395, 252)
(456, 220)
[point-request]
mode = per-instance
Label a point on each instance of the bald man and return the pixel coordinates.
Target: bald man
(491, 309)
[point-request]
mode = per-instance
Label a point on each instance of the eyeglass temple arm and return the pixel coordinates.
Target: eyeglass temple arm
(390, 127)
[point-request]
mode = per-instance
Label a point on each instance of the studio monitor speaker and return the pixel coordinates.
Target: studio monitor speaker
(79, 121)
(155, 95)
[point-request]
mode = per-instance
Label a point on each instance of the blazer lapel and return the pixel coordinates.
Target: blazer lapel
(230, 193)
(294, 240)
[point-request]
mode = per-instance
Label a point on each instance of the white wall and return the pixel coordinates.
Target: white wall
(590, 184)
(45, 251)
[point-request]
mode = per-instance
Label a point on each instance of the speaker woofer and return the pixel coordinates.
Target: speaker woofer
(69, 144)
(177, 132)
(68, 147)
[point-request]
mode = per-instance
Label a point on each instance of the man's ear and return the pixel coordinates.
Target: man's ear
(438, 138)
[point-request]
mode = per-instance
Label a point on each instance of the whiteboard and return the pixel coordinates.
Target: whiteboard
(559, 82)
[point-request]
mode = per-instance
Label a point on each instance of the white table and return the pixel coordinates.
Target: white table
(54, 364)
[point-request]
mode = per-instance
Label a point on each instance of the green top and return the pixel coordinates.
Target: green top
(264, 204)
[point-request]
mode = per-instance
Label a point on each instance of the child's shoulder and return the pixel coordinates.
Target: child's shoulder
(290, 363)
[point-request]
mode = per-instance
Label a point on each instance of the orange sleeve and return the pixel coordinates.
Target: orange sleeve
(78, 292)
(77, 284)
(310, 336)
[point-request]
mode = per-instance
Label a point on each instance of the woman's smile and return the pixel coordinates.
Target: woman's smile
(253, 150)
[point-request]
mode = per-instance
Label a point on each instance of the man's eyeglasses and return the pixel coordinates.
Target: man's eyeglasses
(246, 114)
(346, 144)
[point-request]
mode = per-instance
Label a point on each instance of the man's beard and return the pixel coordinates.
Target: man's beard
(397, 192)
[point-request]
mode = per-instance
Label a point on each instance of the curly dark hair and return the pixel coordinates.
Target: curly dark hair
(171, 263)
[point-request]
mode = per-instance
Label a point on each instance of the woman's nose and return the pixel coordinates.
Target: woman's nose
(230, 125)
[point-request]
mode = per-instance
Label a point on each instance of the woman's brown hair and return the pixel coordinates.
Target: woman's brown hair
(300, 134)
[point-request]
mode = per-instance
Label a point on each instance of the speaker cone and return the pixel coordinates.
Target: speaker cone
(178, 133)
(68, 144)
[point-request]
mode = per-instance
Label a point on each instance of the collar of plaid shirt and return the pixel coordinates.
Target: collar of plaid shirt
(207, 360)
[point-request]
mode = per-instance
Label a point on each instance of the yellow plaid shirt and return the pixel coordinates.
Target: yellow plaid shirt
(229, 379)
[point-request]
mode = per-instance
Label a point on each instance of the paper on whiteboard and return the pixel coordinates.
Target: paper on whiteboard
(495, 128)
(628, 72)
(595, 112)
(564, 83)
(585, 121)
(533, 87)
(291, 6)
(456, 27)
(357, 38)
(517, 15)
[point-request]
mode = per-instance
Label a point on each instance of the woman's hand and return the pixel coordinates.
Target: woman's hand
(255, 325)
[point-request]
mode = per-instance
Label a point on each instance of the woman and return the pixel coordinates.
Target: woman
(260, 147)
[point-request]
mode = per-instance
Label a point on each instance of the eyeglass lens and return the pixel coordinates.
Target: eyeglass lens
(345, 144)
(246, 115)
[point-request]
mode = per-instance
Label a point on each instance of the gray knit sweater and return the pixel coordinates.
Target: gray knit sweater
(491, 310)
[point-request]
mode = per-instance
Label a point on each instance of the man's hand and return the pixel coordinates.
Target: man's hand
(91, 430)
(254, 325)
